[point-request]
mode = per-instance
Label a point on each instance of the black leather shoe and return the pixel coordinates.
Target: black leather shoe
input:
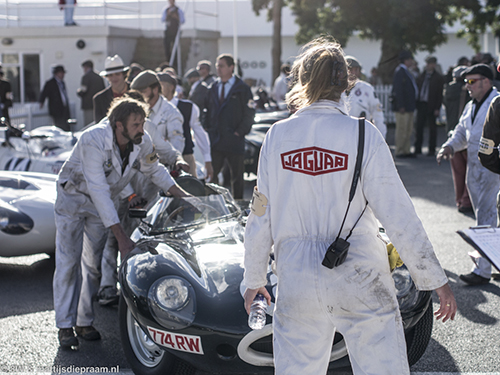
(67, 338)
(88, 333)
(474, 279)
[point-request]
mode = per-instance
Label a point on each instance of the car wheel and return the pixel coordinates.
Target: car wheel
(143, 355)
(418, 337)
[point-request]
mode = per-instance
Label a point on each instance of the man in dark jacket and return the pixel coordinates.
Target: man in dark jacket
(91, 84)
(115, 72)
(430, 97)
(404, 93)
(228, 116)
(55, 90)
(5, 96)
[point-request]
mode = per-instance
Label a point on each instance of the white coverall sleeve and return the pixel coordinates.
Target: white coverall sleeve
(458, 140)
(93, 160)
(167, 153)
(200, 135)
(258, 236)
(153, 169)
(393, 207)
(172, 129)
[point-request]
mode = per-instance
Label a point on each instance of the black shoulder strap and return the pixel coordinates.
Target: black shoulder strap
(357, 175)
(359, 158)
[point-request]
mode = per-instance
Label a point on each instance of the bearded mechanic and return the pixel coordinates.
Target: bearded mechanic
(298, 210)
(101, 164)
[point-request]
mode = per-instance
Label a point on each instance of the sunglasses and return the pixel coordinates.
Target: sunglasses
(472, 81)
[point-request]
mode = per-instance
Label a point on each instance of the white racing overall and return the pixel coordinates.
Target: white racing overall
(362, 99)
(305, 171)
(482, 184)
(88, 188)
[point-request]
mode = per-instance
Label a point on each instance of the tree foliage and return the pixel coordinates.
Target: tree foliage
(398, 24)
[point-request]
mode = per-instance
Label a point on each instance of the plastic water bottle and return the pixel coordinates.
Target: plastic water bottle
(257, 317)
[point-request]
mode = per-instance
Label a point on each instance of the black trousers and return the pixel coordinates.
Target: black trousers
(236, 167)
(168, 43)
(425, 118)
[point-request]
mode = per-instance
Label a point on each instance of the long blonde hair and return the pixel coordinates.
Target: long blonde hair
(320, 72)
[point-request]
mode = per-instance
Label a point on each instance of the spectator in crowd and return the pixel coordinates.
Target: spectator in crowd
(204, 67)
(281, 85)
(190, 77)
(55, 91)
(228, 117)
(191, 115)
(375, 79)
(454, 99)
(404, 94)
(483, 185)
(5, 96)
(135, 69)
(173, 17)
(88, 187)
(430, 98)
(90, 85)
(69, 9)
(115, 72)
(360, 100)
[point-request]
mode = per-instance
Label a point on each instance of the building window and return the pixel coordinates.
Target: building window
(22, 70)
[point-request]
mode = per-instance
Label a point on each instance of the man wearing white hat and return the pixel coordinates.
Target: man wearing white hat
(115, 72)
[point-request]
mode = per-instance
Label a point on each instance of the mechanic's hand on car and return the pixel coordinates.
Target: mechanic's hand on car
(134, 201)
(448, 305)
(445, 153)
(250, 294)
(181, 164)
(125, 244)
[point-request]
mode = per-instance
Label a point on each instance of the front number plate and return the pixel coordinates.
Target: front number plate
(176, 341)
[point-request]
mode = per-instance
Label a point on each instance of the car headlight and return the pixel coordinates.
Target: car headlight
(14, 222)
(406, 291)
(172, 302)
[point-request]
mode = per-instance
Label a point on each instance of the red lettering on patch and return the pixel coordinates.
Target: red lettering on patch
(314, 161)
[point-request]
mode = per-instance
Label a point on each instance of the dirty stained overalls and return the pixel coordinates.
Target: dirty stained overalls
(305, 172)
(88, 187)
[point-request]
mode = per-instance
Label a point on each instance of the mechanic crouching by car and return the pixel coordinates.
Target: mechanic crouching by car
(305, 174)
(88, 187)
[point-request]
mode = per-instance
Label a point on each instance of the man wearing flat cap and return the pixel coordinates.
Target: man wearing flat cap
(55, 90)
(430, 97)
(116, 73)
(90, 84)
(482, 184)
(165, 116)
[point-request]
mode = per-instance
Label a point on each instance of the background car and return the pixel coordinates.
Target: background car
(27, 223)
(182, 304)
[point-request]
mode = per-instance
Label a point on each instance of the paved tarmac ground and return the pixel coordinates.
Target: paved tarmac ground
(468, 345)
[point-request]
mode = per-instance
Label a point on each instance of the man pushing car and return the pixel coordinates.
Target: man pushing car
(101, 164)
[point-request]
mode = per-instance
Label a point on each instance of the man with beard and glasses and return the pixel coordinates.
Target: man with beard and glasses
(101, 164)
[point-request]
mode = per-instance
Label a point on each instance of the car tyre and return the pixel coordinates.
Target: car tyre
(417, 339)
(143, 355)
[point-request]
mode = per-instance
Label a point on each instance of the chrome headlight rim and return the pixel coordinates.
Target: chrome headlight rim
(177, 316)
(406, 291)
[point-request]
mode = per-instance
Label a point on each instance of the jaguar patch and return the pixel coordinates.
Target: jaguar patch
(259, 203)
(152, 157)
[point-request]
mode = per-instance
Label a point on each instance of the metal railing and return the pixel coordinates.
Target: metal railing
(383, 93)
(140, 14)
(32, 116)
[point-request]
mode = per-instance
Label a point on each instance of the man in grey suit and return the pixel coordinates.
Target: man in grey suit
(90, 85)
